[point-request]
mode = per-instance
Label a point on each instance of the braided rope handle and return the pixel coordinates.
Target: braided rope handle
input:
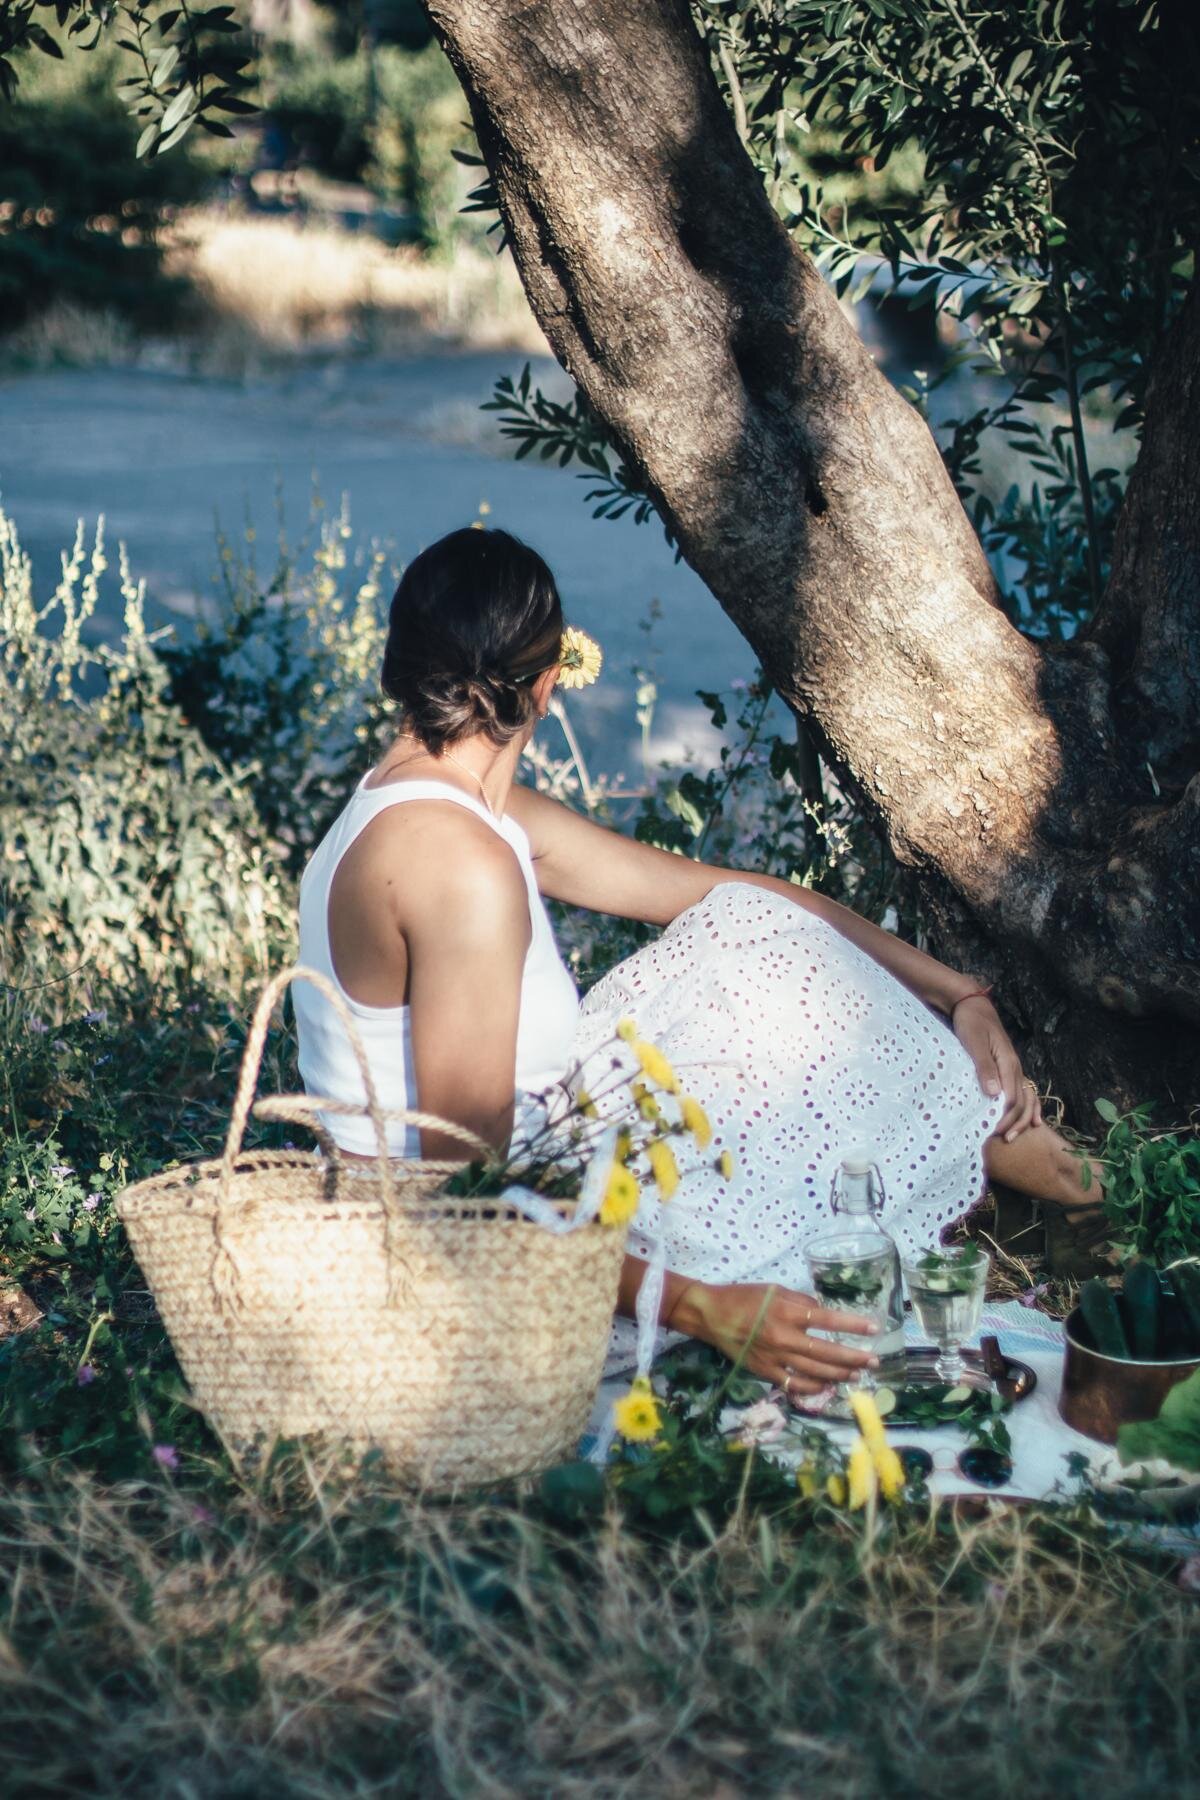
(304, 1108)
(224, 1273)
(252, 1060)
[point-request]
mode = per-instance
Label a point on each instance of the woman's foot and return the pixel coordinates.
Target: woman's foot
(1042, 1164)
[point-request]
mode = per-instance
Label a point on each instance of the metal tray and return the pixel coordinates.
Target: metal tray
(1016, 1382)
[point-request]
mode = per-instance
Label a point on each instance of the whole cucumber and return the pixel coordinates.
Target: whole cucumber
(1185, 1278)
(1098, 1305)
(1142, 1297)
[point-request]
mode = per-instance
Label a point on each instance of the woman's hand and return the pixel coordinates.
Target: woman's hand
(768, 1328)
(976, 1025)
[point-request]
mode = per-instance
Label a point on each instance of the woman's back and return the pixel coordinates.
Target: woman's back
(548, 1004)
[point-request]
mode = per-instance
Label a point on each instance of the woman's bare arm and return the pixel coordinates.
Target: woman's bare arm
(587, 865)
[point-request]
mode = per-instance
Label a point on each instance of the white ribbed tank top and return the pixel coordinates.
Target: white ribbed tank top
(549, 1010)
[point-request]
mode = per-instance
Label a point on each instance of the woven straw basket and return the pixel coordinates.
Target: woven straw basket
(364, 1304)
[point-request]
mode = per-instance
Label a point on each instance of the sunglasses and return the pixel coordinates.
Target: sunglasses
(984, 1468)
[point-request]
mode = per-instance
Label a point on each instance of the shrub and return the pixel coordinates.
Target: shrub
(130, 850)
(283, 680)
(1151, 1185)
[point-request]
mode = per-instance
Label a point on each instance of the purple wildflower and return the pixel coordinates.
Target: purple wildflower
(1031, 1298)
(1189, 1576)
(62, 1170)
(38, 1027)
(98, 1017)
(91, 1203)
(166, 1456)
(84, 1375)
(202, 1516)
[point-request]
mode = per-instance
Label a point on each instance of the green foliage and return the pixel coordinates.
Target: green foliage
(751, 810)
(1174, 1435)
(182, 65)
(1151, 1185)
(130, 851)
(80, 216)
(283, 681)
(1043, 127)
(391, 118)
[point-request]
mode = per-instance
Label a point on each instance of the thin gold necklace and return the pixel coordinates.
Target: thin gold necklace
(445, 756)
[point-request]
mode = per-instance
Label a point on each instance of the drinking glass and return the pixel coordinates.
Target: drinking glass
(946, 1286)
(852, 1272)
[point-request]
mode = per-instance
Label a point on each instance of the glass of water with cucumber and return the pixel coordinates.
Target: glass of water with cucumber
(854, 1272)
(946, 1286)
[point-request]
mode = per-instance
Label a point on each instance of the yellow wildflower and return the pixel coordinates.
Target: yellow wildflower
(886, 1462)
(645, 1102)
(655, 1065)
(695, 1120)
(585, 1106)
(835, 1487)
(626, 1030)
(860, 1470)
(663, 1167)
(806, 1480)
(866, 1417)
(580, 659)
(890, 1471)
(621, 1196)
(726, 1165)
(636, 1416)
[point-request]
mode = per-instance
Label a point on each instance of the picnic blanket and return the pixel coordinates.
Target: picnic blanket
(1041, 1442)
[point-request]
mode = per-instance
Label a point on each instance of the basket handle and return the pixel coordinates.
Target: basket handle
(224, 1270)
(302, 1109)
(252, 1059)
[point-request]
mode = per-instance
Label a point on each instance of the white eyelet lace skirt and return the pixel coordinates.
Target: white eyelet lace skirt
(802, 1051)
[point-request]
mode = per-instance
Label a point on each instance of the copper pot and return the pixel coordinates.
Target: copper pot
(1100, 1393)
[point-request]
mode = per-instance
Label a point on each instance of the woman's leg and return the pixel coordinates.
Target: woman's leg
(1044, 1165)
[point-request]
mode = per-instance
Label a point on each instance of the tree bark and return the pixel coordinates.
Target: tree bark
(813, 502)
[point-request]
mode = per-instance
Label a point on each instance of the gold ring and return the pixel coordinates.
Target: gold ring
(1031, 1084)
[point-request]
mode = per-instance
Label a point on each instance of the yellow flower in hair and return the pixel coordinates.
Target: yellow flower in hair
(725, 1164)
(585, 1106)
(626, 1030)
(636, 1416)
(695, 1120)
(835, 1487)
(655, 1065)
(621, 1196)
(663, 1167)
(580, 658)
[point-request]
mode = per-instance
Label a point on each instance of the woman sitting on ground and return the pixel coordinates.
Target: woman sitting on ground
(804, 1031)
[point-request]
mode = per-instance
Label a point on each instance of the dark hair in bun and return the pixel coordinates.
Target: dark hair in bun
(475, 618)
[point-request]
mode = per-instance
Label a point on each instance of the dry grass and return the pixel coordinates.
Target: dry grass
(278, 286)
(266, 289)
(317, 1642)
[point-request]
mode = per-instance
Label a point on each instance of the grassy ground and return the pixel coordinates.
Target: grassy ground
(303, 1637)
(170, 1627)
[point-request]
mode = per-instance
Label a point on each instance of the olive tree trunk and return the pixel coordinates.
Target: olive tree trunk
(813, 502)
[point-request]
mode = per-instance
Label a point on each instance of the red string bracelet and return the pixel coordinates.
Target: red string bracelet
(975, 994)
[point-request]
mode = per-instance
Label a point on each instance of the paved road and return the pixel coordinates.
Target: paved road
(162, 455)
